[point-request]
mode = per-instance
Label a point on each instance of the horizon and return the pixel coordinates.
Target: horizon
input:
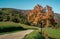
(29, 4)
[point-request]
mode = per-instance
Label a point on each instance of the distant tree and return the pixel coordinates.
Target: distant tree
(1, 19)
(16, 18)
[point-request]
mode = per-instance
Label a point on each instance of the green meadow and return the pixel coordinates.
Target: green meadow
(53, 33)
(8, 27)
(11, 27)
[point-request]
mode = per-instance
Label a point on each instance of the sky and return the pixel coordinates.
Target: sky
(29, 4)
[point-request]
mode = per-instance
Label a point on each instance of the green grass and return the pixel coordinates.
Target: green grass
(53, 33)
(8, 27)
(34, 35)
(8, 24)
(29, 27)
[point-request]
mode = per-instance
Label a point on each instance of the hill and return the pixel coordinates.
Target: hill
(57, 16)
(25, 12)
(12, 10)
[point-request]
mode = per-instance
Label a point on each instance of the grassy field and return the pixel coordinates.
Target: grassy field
(8, 24)
(28, 27)
(34, 35)
(53, 33)
(7, 27)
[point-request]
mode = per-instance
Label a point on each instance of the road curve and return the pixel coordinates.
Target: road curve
(16, 35)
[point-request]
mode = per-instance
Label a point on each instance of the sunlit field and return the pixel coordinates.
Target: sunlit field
(7, 27)
(53, 33)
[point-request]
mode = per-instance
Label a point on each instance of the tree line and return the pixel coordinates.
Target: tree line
(12, 16)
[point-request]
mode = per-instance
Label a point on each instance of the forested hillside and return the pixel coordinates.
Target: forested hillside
(10, 14)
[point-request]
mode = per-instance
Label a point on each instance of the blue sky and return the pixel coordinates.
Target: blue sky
(29, 4)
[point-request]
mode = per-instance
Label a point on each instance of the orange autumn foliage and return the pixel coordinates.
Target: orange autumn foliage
(39, 14)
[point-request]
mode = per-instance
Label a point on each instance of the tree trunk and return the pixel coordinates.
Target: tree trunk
(47, 23)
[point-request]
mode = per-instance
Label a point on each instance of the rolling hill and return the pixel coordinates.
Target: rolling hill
(25, 12)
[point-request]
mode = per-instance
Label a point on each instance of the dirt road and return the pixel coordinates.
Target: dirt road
(17, 35)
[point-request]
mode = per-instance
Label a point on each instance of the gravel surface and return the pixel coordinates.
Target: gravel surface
(16, 35)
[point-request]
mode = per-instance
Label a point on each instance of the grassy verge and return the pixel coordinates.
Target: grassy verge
(7, 27)
(53, 33)
(34, 35)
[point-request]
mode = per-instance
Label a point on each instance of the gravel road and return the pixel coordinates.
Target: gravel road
(16, 35)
